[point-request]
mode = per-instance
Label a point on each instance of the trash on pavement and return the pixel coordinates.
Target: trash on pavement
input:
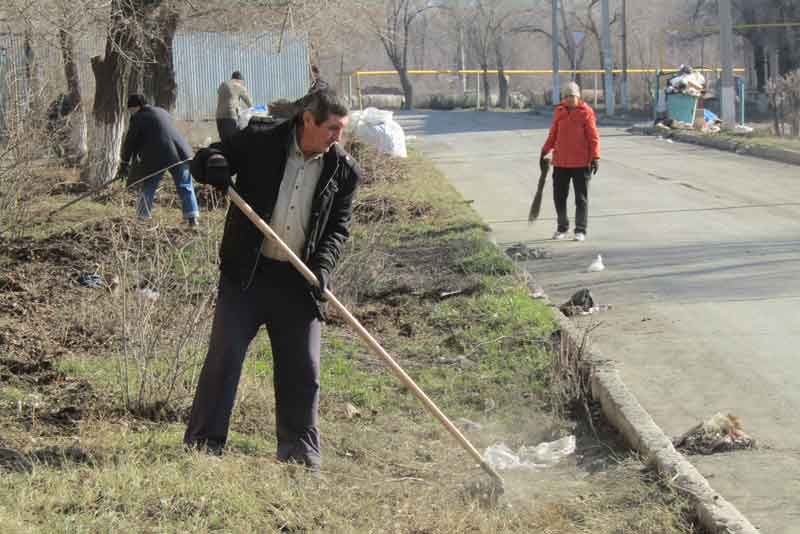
(721, 433)
(378, 128)
(597, 265)
(521, 251)
(541, 456)
(582, 303)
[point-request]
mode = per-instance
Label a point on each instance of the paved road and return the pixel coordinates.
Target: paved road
(702, 250)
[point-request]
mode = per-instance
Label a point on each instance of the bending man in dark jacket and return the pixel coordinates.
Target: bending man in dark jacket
(152, 137)
(298, 179)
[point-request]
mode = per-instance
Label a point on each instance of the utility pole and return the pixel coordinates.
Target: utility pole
(625, 102)
(728, 104)
(608, 60)
(556, 56)
(462, 59)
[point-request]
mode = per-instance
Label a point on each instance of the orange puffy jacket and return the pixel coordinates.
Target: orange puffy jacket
(573, 136)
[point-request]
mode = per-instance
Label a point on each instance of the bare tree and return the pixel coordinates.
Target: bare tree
(764, 41)
(75, 127)
(588, 24)
(394, 31)
(488, 24)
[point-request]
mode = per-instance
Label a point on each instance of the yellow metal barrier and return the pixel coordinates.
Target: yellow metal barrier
(512, 72)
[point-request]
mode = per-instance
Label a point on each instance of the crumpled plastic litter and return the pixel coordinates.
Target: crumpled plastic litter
(582, 303)
(597, 265)
(721, 433)
(541, 456)
(521, 251)
(687, 82)
(378, 128)
(148, 294)
(93, 281)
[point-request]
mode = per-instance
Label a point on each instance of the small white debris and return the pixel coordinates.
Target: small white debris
(148, 294)
(351, 412)
(597, 265)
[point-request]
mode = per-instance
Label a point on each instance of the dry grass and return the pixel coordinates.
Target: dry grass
(419, 273)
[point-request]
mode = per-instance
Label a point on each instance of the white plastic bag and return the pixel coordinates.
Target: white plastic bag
(246, 114)
(244, 118)
(543, 455)
(378, 128)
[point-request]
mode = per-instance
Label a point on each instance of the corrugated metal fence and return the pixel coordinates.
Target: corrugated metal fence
(10, 64)
(271, 68)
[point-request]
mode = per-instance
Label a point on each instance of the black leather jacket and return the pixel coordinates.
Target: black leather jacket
(257, 155)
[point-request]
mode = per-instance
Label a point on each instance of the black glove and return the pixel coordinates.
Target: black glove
(218, 172)
(123, 171)
(319, 291)
(595, 166)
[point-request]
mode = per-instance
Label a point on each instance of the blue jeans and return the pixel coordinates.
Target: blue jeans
(183, 183)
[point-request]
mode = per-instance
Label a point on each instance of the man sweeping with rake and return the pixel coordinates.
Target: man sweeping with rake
(295, 176)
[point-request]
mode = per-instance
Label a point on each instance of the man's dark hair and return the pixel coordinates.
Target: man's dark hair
(236, 75)
(136, 100)
(322, 104)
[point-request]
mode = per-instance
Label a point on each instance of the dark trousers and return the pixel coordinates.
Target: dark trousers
(226, 128)
(279, 299)
(580, 182)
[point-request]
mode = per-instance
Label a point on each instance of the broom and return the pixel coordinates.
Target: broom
(536, 205)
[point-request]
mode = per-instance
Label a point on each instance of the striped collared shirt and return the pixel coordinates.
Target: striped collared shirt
(291, 218)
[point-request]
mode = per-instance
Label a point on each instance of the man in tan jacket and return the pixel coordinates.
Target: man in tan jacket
(229, 95)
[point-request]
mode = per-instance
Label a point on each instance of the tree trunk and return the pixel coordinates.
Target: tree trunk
(487, 104)
(502, 84)
(111, 75)
(76, 127)
(502, 79)
(159, 77)
(31, 86)
(408, 89)
(760, 67)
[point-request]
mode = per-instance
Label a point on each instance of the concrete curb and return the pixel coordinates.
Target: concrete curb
(624, 412)
(780, 155)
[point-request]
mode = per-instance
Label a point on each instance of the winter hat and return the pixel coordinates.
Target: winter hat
(572, 89)
(136, 100)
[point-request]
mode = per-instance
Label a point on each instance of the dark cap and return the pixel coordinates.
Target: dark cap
(236, 75)
(136, 100)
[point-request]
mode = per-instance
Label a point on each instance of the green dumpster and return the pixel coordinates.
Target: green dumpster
(681, 107)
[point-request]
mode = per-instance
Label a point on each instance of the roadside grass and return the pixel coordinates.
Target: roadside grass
(422, 277)
(764, 137)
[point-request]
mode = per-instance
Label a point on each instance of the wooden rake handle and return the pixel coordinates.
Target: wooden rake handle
(298, 264)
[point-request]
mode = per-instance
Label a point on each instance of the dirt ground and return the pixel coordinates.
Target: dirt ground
(97, 382)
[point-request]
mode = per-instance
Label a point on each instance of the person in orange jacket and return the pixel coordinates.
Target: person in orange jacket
(575, 144)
